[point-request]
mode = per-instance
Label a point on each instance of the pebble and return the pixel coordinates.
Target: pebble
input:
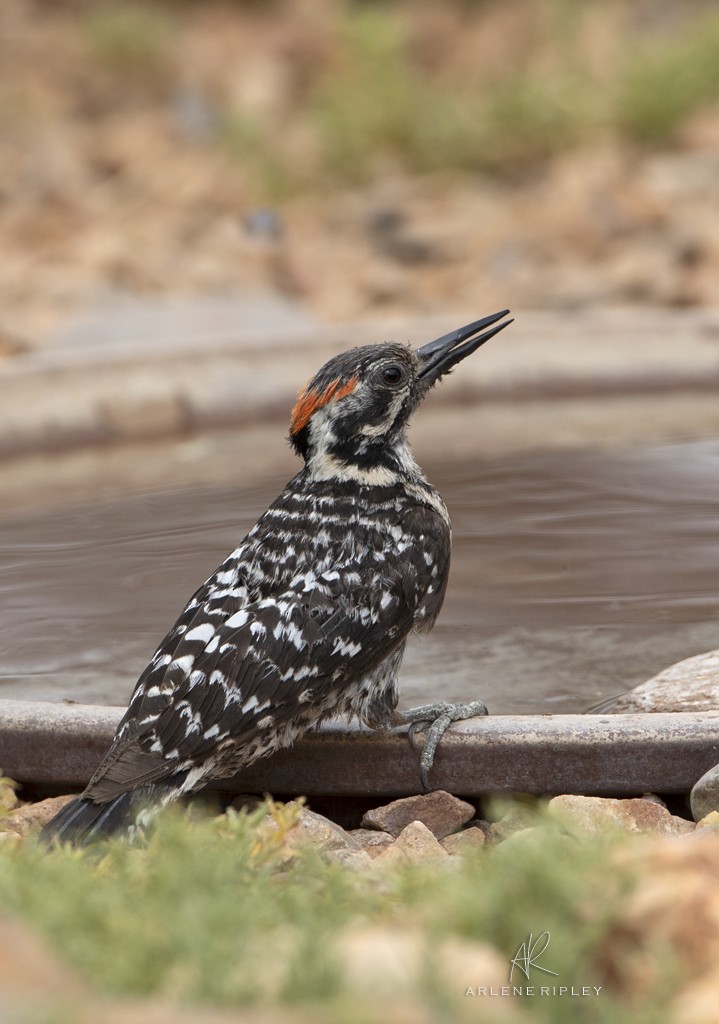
(439, 811)
(414, 845)
(318, 830)
(460, 842)
(356, 859)
(516, 819)
(371, 841)
(247, 803)
(437, 836)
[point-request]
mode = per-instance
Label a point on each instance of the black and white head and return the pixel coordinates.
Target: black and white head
(354, 412)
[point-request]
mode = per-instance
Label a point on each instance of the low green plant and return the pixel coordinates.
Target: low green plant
(225, 912)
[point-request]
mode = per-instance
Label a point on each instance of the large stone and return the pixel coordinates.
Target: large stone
(588, 815)
(441, 812)
(33, 816)
(689, 685)
(355, 859)
(414, 845)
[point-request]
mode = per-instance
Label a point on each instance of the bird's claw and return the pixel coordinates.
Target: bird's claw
(434, 719)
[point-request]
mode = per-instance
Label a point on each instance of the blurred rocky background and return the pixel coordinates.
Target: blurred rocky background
(388, 157)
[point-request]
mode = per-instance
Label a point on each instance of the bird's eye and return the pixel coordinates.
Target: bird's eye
(392, 374)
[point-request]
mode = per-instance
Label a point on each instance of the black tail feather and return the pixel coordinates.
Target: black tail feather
(83, 821)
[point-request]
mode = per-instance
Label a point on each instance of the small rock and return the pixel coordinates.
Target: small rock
(515, 820)
(372, 842)
(33, 816)
(527, 838)
(705, 794)
(460, 842)
(480, 823)
(356, 859)
(710, 821)
(587, 815)
(441, 812)
(247, 802)
(320, 832)
(414, 845)
(654, 798)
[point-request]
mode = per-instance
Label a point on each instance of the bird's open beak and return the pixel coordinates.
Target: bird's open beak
(438, 357)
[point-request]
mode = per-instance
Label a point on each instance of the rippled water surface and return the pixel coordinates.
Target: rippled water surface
(575, 575)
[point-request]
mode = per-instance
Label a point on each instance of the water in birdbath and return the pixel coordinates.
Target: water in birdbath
(575, 575)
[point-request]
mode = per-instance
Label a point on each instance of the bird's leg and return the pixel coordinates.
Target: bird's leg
(434, 720)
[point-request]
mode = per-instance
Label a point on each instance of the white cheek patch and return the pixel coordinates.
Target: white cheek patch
(378, 429)
(321, 433)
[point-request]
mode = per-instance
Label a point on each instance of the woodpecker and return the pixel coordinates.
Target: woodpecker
(308, 618)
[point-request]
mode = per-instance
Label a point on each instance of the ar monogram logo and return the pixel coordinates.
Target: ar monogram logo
(529, 953)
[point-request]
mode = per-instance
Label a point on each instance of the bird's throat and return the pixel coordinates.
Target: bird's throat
(364, 461)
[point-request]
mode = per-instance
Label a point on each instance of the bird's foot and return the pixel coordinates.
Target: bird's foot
(434, 720)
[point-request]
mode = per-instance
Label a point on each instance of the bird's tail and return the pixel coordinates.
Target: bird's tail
(82, 821)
